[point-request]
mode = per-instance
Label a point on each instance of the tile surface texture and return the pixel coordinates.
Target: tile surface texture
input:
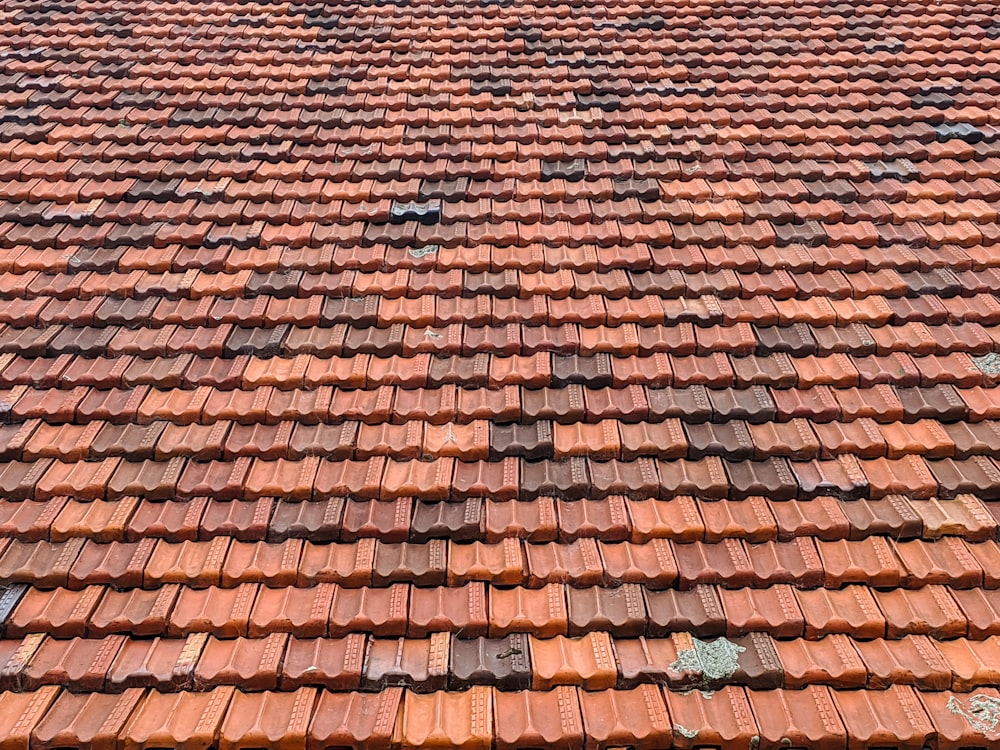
(493, 374)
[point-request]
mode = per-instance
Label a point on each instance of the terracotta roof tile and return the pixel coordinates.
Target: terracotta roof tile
(503, 375)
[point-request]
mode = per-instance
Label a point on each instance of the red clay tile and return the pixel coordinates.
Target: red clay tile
(221, 612)
(677, 518)
(43, 564)
(770, 610)
(542, 611)
(620, 609)
(268, 720)
(382, 610)
(820, 517)
(501, 563)
(807, 718)
(188, 719)
(914, 660)
(350, 564)
(163, 663)
(851, 609)
(724, 719)
(894, 717)
(530, 718)
(455, 610)
(192, 563)
(534, 520)
(304, 612)
(87, 720)
(388, 521)
(460, 720)
(251, 663)
(697, 610)
(926, 611)
(117, 563)
(831, 660)
(82, 663)
(129, 611)
(334, 663)
(750, 519)
(355, 719)
(440, 361)
(22, 712)
(725, 562)
(616, 717)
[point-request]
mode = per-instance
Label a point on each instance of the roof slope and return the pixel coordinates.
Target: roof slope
(497, 374)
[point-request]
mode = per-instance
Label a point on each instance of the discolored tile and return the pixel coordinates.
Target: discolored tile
(420, 664)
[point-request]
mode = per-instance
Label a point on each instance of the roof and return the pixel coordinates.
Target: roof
(494, 375)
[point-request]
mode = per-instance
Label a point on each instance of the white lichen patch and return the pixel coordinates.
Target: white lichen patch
(685, 732)
(988, 364)
(711, 662)
(982, 712)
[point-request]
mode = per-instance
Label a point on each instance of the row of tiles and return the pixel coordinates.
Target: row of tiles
(596, 661)
(381, 102)
(657, 563)
(849, 122)
(189, 362)
(122, 358)
(317, 324)
(748, 164)
(483, 718)
(176, 93)
(317, 295)
(546, 519)
(621, 69)
(316, 478)
(953, 119)
(760, 234)
(56, 203)
(693, 21)
(312, 82)
(549, 142)
(883, 25)
(478, 609)
(679, 33)
(598, 190)
(452, 403)
(845, 65)
(451, 94)
(735, 440)
(771, 119)
(878, 29)
(684, 42)
(597, 83)
(239, 254)
(421, 239)
(154, 329)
